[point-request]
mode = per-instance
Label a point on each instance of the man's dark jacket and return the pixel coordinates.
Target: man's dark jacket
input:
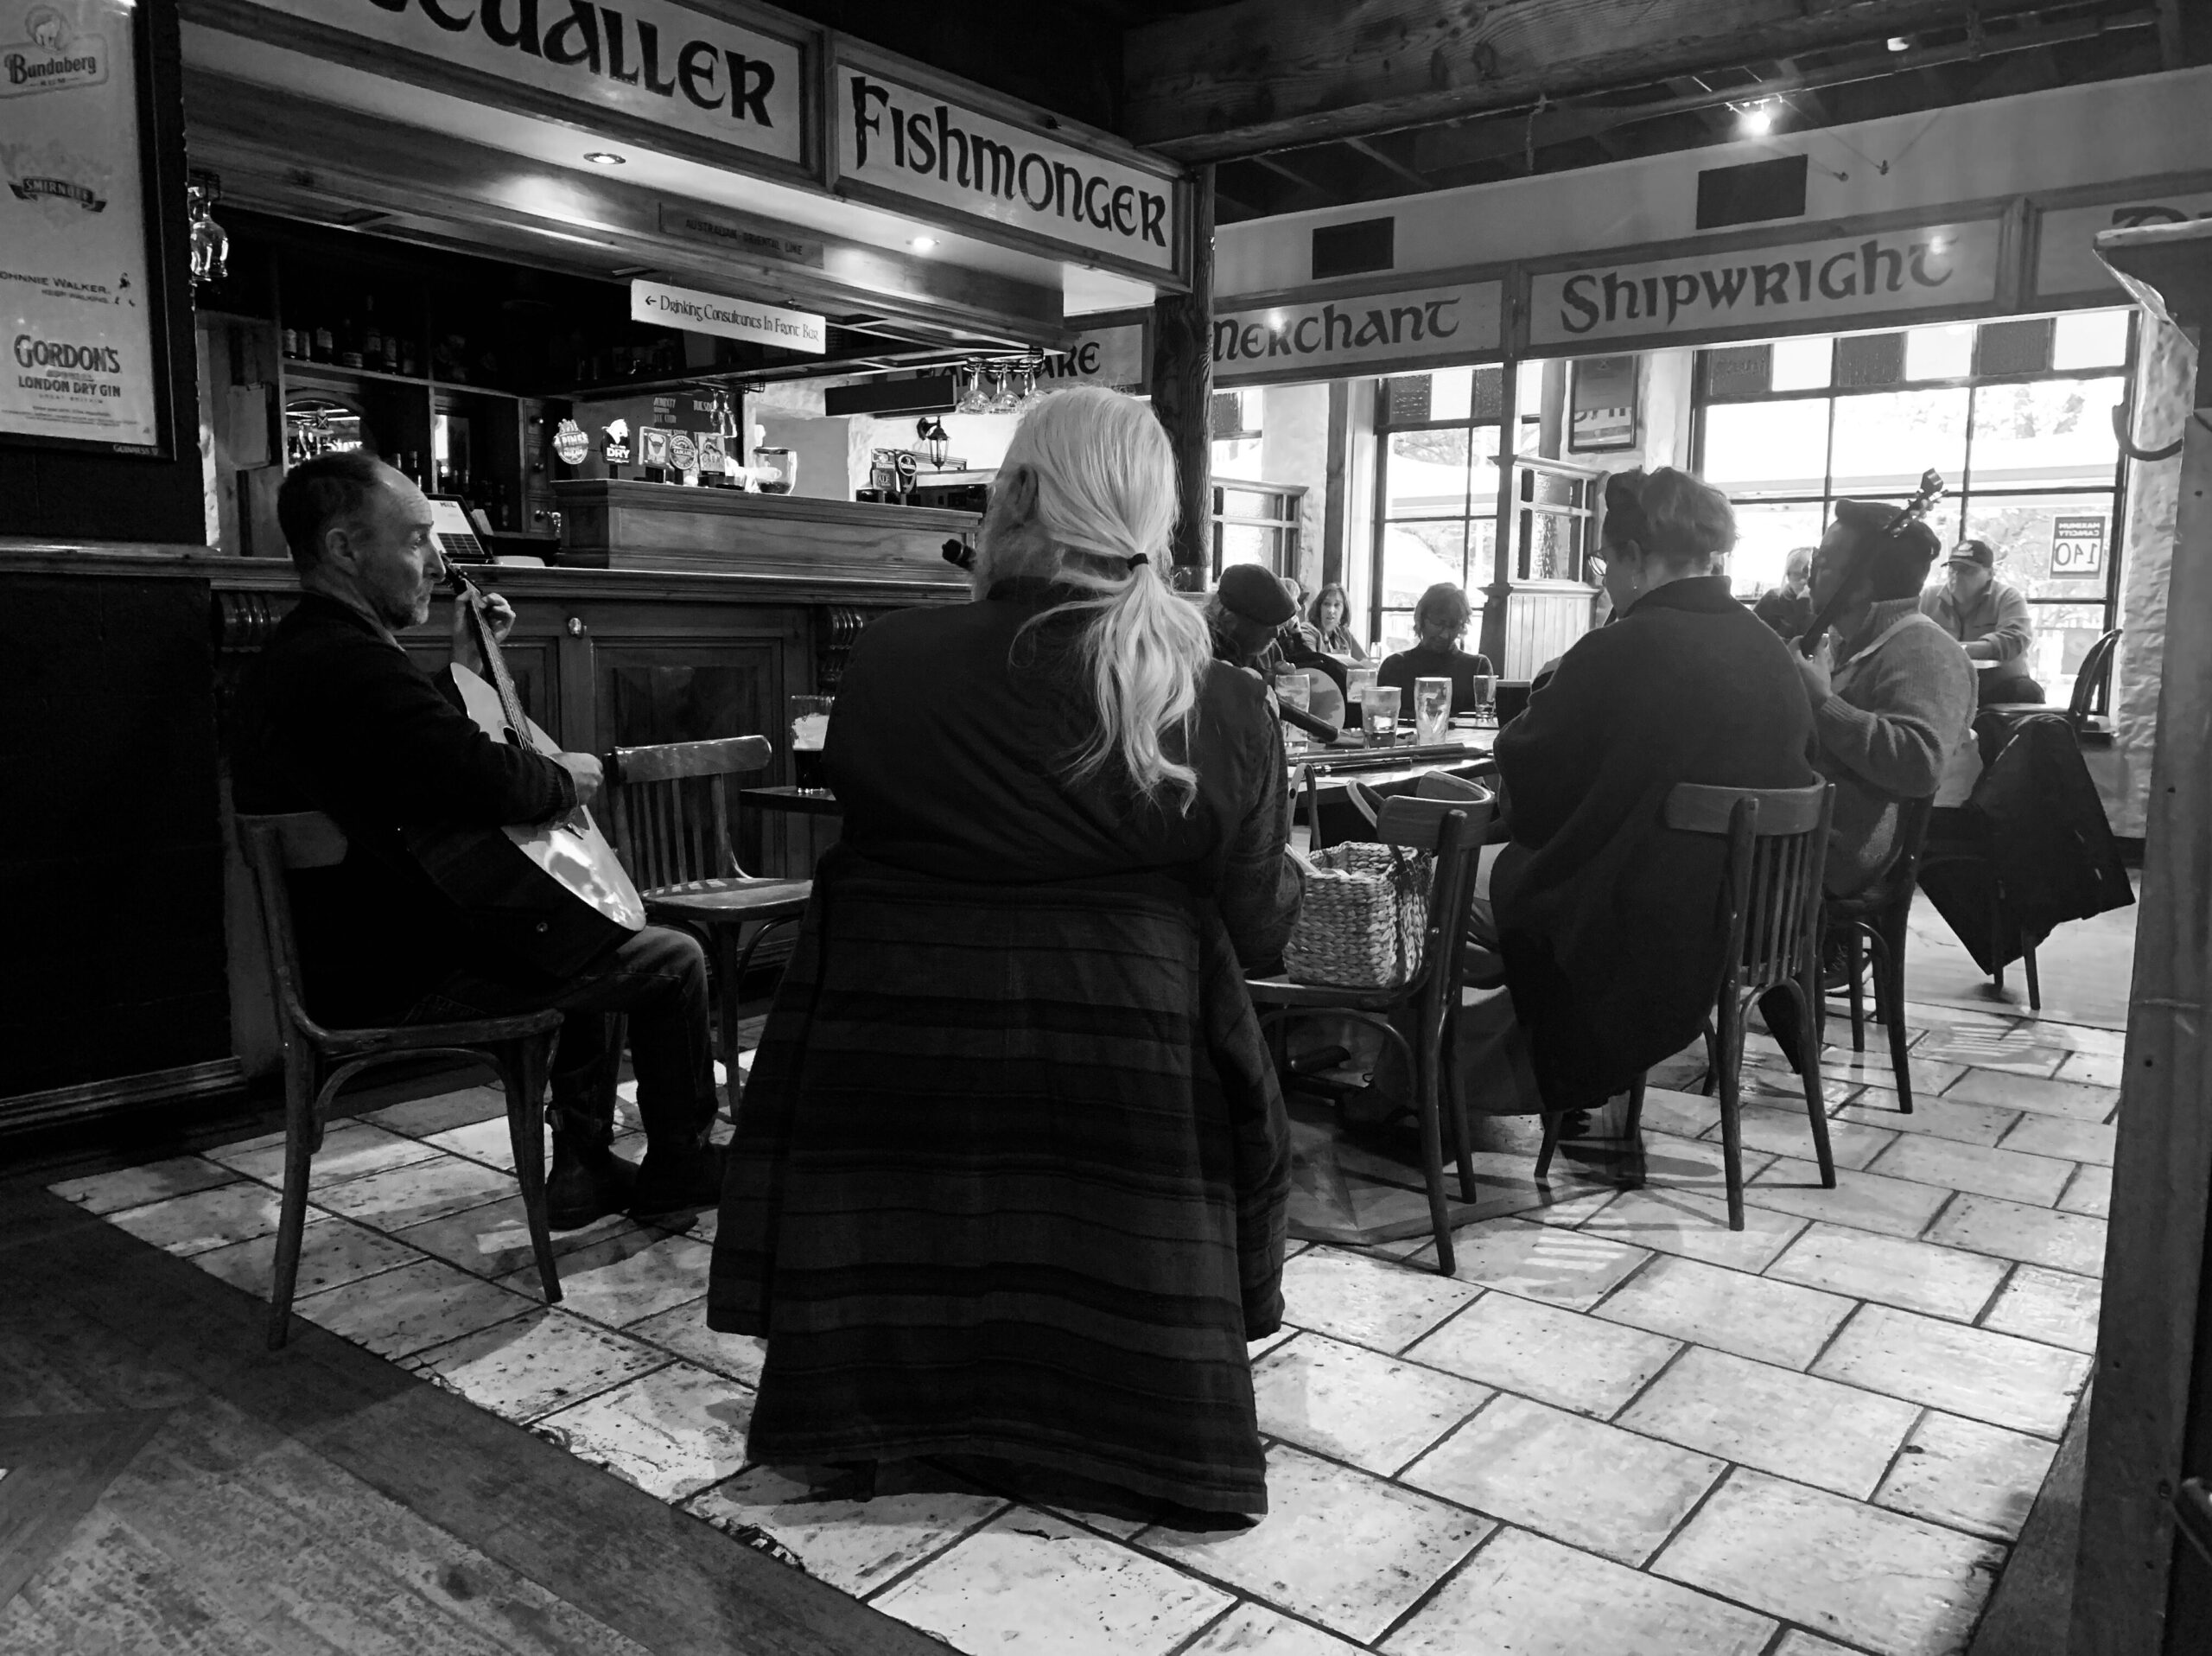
(1607, 919)
(336, 717)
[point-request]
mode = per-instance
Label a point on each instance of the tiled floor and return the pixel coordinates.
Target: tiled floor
(1619, 1430)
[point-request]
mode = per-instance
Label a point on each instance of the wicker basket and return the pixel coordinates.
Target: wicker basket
(1365, 912)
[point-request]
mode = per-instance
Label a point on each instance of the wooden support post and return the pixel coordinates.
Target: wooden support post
(1182, 389)
(1499, 592)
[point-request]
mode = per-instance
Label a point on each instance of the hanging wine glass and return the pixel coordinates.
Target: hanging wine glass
(1005, 399)
(972, 398)
(1025, 370)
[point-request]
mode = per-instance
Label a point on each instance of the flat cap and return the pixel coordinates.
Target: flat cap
(1256, 594)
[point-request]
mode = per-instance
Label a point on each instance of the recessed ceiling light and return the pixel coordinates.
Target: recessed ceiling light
(1754, 120)
(1898, 43)
(603, 158)
(923, 243)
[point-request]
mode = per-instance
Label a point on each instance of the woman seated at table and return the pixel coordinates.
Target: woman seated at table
(1010, 1175)
(1331, 620)
(1440, 618)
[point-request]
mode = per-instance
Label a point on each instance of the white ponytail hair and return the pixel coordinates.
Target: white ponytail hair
(1106, 493)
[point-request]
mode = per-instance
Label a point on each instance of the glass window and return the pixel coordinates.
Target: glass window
(1764, 536)
(1768, 447)
(1884, 440)
(2054, 546)
(2046, 432)
(1438, 435)
(2090, 338)
(1939, 352)
(1451, 393)
(1425, 473)
(1802, 365)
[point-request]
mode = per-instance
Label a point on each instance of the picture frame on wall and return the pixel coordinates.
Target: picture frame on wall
(1605, 404)
(83, 263)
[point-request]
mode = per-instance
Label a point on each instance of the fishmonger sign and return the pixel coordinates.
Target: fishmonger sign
(1364, 334)
(1780, 289)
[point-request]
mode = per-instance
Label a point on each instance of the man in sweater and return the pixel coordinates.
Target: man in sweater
(1988, 616)
(338, 718)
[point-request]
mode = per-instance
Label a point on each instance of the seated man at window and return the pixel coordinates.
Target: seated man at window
(338, 718)
(1440, 618)
(1788, 609)
(1990, 617)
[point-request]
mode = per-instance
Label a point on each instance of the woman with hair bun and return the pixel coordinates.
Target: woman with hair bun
(1010, 1174)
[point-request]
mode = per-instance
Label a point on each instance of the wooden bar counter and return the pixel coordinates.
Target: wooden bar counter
(616, 523)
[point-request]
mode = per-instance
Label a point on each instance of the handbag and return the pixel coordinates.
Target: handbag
(1365, 918)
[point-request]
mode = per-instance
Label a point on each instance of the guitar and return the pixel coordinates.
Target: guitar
(554, 893)
(1932, 489)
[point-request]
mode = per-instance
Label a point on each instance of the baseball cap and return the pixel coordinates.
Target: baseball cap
(1256, 594)
(1974, 551)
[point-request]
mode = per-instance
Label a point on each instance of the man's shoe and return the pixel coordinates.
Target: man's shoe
(586, 1185)
(672, 1179)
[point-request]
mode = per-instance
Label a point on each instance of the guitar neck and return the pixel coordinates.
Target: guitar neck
(495, 664)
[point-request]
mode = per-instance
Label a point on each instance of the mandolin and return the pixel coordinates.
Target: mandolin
(1931, 489)
(554, 893)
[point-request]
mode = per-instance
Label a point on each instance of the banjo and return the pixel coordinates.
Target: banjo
(554, 893)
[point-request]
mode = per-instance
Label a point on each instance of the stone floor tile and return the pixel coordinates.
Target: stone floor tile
(1256, 1350)
(2089, 1192)
(1540, 1262)
(494, 1240)
(1367, 1301)
(1798, 1642)
(489, 1141)
(1922, 1016)
(1523, 1596)
(854, 1544)
(1543, 1351)
(1975, 1477)
(2035, 1236)
(542, 1361)
(1753, 1316)
(1686, 1115)
(1940, 1118)
(2053, 1306)
(1695, 1226)
(2013, 1052)
(1996, 1377)
(212, 1218)
(2078, 1037)
(415, 1195)
(1254, 1630)
(1773, 1084)
(1987, 1172)
(2069, 1141)
(1867, 1200)
(1337, 1546)
(1788, 1131)
(1576, 1480)
(332, 1252)
(1675, 1163)
(1354, 1404)
(2094, 1068)
(2067, 1096)
(627, 1277)
(1571, 1210)
(420, 1117)
(1029, 1583)
(351, 1149)
(682, 1329)
(1867, 1266)
(1885, 1582)
(153, 1181)
(398, 1313)
(1872, 1068)
(1776, 1419)
(672, 1432)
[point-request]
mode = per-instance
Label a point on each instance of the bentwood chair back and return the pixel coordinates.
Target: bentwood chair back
(1452, 829)
(1871, 927)
(319, 1060)
(671, 813)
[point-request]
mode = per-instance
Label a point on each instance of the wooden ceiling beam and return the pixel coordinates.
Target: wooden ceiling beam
(1376, 153)
(1273, 74)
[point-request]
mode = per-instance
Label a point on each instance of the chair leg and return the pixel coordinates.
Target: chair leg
(1551, 1118)
(1712, 1081)
(1816, 1110)
(1889, 979)
(1729, 1056)
(730, 972)
(522, 1071)
(2028, 966)
(1633, 1132)
(292, 1215)
(1854, 962)
(1456, 1092)
(1431, 1159)
(1997, 941)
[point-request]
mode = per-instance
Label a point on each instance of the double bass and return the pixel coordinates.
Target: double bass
(554, 893)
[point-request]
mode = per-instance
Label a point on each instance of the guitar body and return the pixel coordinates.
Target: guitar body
(554, 894)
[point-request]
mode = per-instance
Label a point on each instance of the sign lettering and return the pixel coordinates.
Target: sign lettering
(734, 236)
(717, 313)
(2066, 251)
(2077, 548)
(1779, 287)
(1418, 325)
(1114, 357)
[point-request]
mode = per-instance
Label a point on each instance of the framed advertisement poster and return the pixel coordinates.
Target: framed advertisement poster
(86, 362)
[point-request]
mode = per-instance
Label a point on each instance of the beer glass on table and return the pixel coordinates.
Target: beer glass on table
(1432, 710)
(1486, 688)
(1294, 691)
(810, 730)
(1379, 715)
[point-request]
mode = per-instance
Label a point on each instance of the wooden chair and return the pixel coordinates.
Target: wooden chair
(2089, 680)
(1454, 831)
(671, 813)
(319, 1060)
(1769, 904)
(1871, 925)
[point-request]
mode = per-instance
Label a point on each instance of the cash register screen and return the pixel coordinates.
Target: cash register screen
(455, 534)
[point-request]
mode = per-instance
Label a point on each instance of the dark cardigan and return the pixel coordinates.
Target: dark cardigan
(1605, 916)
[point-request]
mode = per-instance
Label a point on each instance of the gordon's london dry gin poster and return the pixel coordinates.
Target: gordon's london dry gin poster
(75, 296)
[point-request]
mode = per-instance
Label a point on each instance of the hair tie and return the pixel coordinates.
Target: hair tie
(1138, 559)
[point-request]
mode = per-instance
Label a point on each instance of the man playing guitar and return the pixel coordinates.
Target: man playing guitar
(336, 717)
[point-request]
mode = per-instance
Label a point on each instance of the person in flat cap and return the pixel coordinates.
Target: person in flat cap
(1247, 608)
(1990, 618)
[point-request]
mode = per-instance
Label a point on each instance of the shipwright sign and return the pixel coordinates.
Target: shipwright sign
(1785, 288)
(2066, 254)
(1363, 334)
(717, 313)
(653, 59)
(901, 141)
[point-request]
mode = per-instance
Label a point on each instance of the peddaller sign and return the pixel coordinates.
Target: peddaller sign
(894, 140)
(1362, 334)
(1781, 289)
(654, 60)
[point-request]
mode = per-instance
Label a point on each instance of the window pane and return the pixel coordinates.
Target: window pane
(2051, 432)
(1247, 542)
(1397, 633)
(1451, 393)
(1764, 535)
(1767, 448)
(2090, 338)
(2026, 533)
(1939, 352)
(1424, 475)
(1416, 556)
(1885, 440)
(1238, 457)
(2063, 635)
(1802, 365)
(1529, 388)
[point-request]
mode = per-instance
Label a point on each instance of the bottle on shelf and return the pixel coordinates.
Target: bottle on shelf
(372, 354)
(292, 346)
(349, 345)
(321, 345)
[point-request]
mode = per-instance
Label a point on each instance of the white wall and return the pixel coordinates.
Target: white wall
(2165, 388)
